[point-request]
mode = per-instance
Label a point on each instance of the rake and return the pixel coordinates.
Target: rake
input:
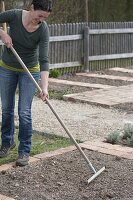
(96, 173)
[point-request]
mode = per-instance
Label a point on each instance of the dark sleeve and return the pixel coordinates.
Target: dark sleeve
(7, 16)
(44, 48)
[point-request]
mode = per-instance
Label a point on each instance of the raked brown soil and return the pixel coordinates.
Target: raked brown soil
(65, 177)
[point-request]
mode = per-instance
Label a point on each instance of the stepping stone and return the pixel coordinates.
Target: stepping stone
(81, 84)
(2, 197)
(104, 97)
(107, 77)
(124, 70)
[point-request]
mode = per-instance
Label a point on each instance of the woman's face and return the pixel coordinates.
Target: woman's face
(39, 16)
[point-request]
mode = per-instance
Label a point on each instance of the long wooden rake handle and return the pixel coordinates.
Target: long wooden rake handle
(51, 107)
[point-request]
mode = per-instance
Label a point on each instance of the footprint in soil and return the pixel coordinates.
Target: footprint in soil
(106, 196)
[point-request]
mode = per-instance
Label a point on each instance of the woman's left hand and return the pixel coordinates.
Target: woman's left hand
(44, 95)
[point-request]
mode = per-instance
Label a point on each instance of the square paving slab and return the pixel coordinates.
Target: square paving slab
(104, 97)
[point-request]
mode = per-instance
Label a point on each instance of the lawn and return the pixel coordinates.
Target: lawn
(41, 142)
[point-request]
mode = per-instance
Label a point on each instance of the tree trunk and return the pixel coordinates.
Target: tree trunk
(86, 10)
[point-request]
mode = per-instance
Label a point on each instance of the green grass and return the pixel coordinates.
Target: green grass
(53, 94)
(41, 142)
(54, 73)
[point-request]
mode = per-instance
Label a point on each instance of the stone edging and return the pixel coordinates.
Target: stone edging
(101, 146)
(2, 197)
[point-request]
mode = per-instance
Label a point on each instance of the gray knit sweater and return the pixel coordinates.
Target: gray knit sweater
(32, 47)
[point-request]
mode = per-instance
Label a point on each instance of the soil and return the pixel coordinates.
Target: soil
(76, 89)
(95, 80)
(65, 177)
(65, 89)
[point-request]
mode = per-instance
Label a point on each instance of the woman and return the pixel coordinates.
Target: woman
(29, 36)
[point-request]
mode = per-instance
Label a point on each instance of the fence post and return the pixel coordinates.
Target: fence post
(86, 49)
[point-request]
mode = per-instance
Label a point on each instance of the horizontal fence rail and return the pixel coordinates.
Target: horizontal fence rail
(110, 31)
(65, 38)
(90, 46)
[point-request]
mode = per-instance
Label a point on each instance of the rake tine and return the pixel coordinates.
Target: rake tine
(96, 174)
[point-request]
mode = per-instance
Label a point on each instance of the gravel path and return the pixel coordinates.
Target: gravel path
(84, 121)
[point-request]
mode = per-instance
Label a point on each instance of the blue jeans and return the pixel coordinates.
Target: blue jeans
(8, 84)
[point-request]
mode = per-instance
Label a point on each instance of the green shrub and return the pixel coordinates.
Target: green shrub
(113, 138)
(127, 134)
(54, 73)
(130, 141)
(128, 131)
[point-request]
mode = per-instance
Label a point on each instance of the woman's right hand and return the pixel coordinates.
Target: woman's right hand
(6, 39)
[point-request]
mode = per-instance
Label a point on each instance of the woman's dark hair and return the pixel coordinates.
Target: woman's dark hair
(45, 5)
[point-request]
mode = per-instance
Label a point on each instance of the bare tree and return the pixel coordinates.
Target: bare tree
(86, 11)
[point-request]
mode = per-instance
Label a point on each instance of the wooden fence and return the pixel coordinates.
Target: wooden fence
(110, 45)
(91, 46)
(66, 46)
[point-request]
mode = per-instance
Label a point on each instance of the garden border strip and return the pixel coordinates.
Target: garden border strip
(112, 149)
